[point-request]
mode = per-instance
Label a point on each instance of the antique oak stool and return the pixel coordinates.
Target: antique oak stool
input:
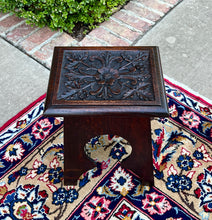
(106, 90)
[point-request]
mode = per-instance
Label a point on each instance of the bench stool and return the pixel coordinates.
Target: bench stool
(106, 90)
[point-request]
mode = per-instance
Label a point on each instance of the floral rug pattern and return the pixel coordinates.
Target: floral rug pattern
(31, 168)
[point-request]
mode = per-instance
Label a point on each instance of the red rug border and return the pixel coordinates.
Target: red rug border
(23, 111)
(196, 97)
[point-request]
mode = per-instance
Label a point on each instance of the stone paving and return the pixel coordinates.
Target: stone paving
(124, 28)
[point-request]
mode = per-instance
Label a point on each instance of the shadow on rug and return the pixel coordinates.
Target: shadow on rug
(31, 168)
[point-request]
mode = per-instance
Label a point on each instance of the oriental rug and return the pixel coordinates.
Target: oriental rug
(31, 168)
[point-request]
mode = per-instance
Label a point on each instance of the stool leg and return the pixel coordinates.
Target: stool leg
(140, 160)
(75, 160)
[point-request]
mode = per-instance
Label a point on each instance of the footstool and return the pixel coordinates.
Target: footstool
(106, 90)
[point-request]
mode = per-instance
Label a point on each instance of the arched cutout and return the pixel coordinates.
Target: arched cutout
(104, 147)
(78, 130)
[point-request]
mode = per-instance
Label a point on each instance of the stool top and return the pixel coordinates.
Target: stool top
(106, 80)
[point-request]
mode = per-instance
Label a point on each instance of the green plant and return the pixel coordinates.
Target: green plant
(61, 14)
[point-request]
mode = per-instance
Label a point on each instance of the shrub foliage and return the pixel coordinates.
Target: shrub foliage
(61, 14)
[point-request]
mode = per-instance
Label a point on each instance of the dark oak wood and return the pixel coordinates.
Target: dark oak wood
(106, 90)
(80, 129)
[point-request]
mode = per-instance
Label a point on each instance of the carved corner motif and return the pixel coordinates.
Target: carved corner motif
(106, 75)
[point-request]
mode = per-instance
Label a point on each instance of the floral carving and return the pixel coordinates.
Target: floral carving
(110, 75)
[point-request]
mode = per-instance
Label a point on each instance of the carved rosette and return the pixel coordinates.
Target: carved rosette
(106, 75)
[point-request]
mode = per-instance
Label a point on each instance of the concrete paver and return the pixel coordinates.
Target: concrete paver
(184, 39)
(22, 81)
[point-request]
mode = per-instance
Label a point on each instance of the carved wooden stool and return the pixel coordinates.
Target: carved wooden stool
(106, 90)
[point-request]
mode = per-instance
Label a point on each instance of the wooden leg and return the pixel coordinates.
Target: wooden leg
(140, 160)
(75, 161)
(79, 130)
